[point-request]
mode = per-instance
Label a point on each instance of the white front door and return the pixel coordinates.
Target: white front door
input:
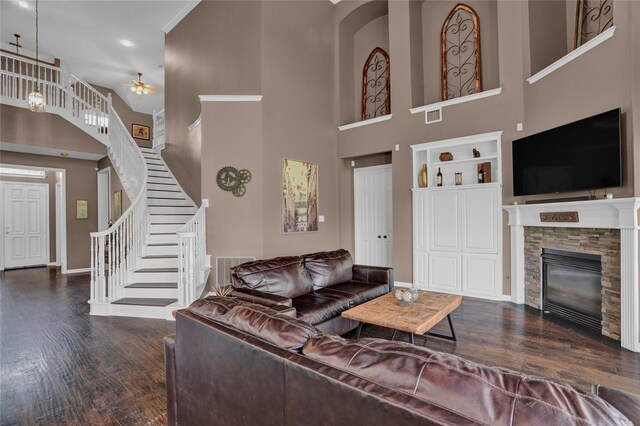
(25, 222)
(373, 215)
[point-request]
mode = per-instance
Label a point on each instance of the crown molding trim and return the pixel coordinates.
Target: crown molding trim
(180, 15)
(230, 98)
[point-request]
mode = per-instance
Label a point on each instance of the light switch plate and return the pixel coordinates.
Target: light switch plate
(321, 218)
(353, 163)
(397, 147)
(519, 127)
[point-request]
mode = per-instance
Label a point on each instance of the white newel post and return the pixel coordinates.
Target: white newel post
(619, 214)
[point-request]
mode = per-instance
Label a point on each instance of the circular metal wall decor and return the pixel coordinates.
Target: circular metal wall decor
(233, 180)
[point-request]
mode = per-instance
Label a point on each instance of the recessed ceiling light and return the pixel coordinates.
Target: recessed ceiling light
(127, 43)
(23, 4)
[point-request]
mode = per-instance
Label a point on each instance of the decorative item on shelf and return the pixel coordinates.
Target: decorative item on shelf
(486, 170)
(460, 53)
(406, 296)
(423, 179)
(140, 131)
(458, 178)
(439, 178)
(480, 173)
(376, 85)
(446, 156)
(476, 153)
(233, 180)
(592, 18)
(299, 196)
(82, 209)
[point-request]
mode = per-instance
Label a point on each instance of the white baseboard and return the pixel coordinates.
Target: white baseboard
(402, 284)
(506, 297)
(76, 271)
(53, 264)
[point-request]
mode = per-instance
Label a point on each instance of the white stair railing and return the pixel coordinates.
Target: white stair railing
(65, 94)
(192, 257)
(158, 130)
(114, 251)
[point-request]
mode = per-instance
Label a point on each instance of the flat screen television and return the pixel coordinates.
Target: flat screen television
(583, 155)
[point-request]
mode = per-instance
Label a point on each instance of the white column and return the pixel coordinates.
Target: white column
(629, 293)
(517, 264)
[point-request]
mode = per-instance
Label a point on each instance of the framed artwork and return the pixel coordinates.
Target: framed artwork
(82, 209)
(299, 196)
(139, 131)
(117, 204)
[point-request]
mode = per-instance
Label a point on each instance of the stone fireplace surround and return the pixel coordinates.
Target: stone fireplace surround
(603, 242)
(595, 218)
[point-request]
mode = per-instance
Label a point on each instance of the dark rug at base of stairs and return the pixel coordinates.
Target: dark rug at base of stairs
(144, 301)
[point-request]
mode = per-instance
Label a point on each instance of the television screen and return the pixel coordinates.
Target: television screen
(583, 155)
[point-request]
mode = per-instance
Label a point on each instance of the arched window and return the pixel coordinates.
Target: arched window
(592, 18)
(460, 43)
(376, 86)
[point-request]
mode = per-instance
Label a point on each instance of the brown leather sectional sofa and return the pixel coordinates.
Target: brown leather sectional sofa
(320, 286)
(237, 363)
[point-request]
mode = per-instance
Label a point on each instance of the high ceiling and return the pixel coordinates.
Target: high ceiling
(86, 35)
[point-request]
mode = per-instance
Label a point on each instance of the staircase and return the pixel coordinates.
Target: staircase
(153, 259)
(153, 291)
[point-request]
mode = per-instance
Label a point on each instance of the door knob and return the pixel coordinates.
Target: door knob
(384, 236)
(379, 236)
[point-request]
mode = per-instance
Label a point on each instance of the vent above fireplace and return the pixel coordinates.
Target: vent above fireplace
(572, 286)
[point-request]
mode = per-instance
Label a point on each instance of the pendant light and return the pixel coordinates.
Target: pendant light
(37, 101)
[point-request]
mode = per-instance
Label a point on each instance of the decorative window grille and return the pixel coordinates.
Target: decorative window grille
(592, 18)
(376, 86)
(460, 43)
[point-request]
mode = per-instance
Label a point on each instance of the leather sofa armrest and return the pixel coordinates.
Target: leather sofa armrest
(170, 379)
(285, 310)
(373, 274)
(261, 298)
(625, 402)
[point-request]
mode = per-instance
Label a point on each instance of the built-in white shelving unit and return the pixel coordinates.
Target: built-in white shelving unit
(457, 229)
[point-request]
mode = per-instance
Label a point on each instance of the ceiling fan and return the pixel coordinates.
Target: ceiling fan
(139, 88)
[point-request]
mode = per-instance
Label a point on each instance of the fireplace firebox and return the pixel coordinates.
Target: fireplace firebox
(572, 286)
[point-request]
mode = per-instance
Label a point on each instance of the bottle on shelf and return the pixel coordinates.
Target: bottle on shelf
(439, 178)
(480, 174)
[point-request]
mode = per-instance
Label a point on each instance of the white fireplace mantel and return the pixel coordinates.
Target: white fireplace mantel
(621, 213)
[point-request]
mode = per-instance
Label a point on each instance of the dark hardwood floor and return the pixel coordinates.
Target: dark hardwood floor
(59, 365)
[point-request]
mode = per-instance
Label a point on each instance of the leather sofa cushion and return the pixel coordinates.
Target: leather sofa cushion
(480, 393)
(328, 268)
(282, 276)
(214, 306)
(315, 308)
(627, 403)
(276, 328)
(355, 292)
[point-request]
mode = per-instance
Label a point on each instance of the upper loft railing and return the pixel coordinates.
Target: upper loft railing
(65, 94)
(115, 250)
(158, 130)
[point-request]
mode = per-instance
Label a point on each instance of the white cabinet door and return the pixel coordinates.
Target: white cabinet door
(480, 275)
(444, 272)
(421, 269)
(444, 221)
(420, 220)
(25, 217)
(480, 220)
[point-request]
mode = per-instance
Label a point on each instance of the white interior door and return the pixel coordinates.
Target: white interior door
(373, 205)
(103, 198)
(25, 221)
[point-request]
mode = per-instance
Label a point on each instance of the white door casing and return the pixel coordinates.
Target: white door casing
(25, 222)
(373, 208)
(59, 220)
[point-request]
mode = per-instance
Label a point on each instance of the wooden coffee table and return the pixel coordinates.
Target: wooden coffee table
(419, 318)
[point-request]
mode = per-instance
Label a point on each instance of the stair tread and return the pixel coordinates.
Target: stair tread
(161, 256)
(144, 301)
(154, 270)
(153, 285)
(160, 245)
